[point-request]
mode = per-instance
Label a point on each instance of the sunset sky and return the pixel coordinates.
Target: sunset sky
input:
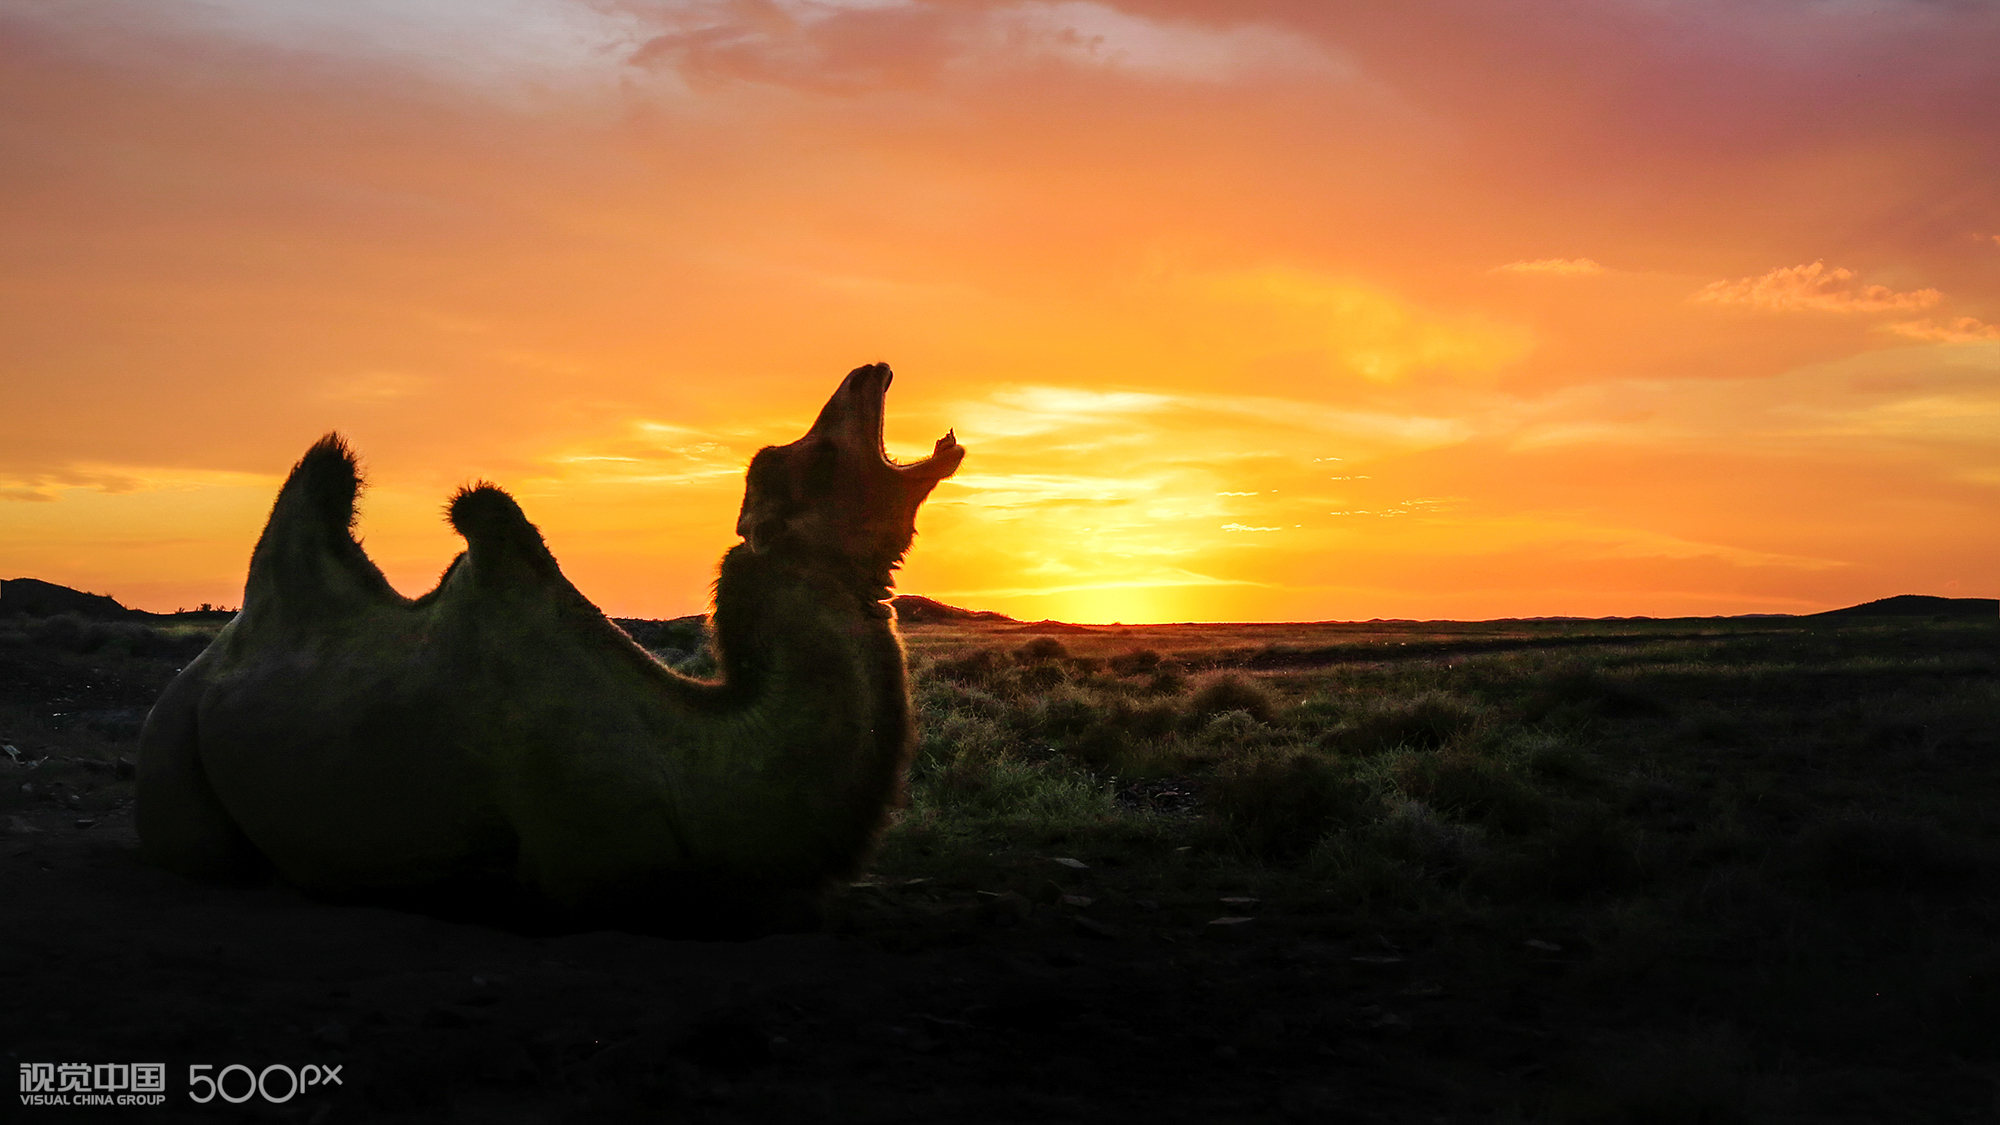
(1244, 309)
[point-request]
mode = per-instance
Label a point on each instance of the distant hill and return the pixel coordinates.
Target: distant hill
(1919, 605)
(911, 609)
(1046, 627)
(915, 609)
(32, 597)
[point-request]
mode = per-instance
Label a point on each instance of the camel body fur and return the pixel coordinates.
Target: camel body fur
(499, 743)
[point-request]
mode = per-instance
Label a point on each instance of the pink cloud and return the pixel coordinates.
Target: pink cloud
(1814, 288)
(827, 50)
(825, 47)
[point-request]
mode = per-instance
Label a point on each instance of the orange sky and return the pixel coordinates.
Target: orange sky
(1245, 309)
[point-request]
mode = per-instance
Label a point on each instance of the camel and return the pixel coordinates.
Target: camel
(498, 747)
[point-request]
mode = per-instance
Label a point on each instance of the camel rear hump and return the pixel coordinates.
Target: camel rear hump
(504, 547)
(308, 561)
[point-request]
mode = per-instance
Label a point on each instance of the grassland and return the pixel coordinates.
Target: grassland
(1644, 871)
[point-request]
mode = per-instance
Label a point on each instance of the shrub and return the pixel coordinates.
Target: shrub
(1577, 688)
(1136, 662)
(979, 666)
(1471, 787)
(1003, 787)
(1233, 729)
(1553, 759)
(1041, 650)
(1425, 721)
(1229, 692)
(1041, 676)
(1147, 721)
(1319, 713)
(1280, 804)
(1061, 715)
(1393, 856)
(1434, 845)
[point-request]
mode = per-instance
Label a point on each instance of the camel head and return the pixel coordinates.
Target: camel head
(835, 491)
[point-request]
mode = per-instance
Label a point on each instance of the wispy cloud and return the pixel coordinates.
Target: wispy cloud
(1025, 411)
(1036, 491)
(1640, 544)
(1814, 288)
(1553, 267)
(1421, 505)
(1207, 427)
(650, 453)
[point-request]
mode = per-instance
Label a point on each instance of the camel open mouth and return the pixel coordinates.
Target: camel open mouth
(857, 412)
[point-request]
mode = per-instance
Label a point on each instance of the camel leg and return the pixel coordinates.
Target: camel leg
(183, 826)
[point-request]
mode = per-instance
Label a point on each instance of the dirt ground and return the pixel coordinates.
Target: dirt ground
(921, 1001)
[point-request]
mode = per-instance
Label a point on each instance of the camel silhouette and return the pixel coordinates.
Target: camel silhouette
(498, 748)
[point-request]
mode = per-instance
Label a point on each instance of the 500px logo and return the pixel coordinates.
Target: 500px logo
(259, 1083)
(72, 1084)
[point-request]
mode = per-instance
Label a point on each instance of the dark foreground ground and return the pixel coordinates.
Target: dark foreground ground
(1148, 964)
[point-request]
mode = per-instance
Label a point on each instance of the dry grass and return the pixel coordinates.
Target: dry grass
(1764, 849)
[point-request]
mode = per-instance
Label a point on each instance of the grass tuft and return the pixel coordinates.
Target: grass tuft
(1219, 694)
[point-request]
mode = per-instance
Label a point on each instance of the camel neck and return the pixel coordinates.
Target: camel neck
(775, 612)
(815, 690)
